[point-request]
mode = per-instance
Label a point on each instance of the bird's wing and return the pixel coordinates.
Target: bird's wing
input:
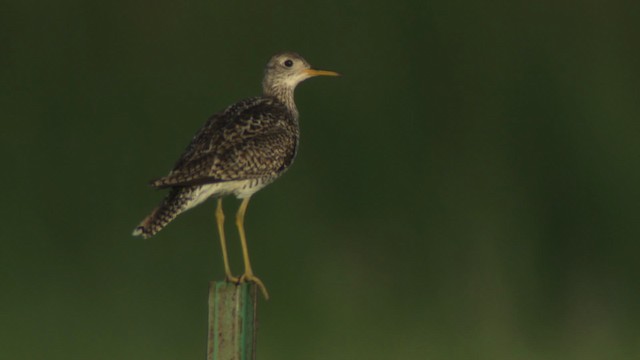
(235, 146)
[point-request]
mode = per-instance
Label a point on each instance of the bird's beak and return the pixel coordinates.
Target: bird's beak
(313, 72)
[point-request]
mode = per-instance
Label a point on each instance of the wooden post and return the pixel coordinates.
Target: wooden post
(232, 321)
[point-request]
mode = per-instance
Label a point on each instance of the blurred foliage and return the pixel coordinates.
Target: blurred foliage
(468, 189)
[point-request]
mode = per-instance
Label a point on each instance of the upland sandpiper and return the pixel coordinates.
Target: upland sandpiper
(238, 151)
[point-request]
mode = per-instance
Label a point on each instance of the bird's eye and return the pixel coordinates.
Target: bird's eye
(288, 63)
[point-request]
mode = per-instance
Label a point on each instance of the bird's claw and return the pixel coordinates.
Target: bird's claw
(232, 279)
(246, 278)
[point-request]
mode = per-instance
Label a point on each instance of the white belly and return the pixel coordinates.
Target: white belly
(241, 189)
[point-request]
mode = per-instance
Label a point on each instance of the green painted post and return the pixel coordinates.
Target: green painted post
(232, 321)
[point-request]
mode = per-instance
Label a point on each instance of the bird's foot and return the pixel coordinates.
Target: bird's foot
(232, 279)
(254, 279)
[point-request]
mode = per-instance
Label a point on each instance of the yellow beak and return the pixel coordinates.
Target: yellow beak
(313, 72)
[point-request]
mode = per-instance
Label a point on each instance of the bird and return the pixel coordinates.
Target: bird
(237, 151)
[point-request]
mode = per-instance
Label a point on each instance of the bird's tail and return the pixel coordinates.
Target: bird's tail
(173, 204)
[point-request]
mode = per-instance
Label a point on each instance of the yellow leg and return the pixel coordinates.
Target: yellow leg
(223, 242)
(248, 272)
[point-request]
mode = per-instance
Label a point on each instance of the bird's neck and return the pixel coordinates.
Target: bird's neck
(284, 94)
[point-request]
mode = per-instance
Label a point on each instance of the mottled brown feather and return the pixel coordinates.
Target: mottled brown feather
(252, 139)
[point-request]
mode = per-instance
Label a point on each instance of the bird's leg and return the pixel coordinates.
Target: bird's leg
(223, 242)
(248, 272)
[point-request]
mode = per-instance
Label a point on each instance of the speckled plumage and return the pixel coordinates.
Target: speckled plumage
(255, 138)
(239, 150)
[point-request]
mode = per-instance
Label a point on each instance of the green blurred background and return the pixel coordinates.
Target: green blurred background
(467, 190)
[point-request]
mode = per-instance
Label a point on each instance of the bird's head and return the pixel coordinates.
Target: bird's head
(286, 70)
